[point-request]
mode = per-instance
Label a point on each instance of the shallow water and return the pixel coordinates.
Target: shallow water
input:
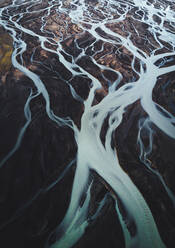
(104, 70)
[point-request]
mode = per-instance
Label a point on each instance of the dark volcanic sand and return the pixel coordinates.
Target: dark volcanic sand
(46, 149)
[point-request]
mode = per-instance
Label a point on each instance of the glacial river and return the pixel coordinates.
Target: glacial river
(109, 27)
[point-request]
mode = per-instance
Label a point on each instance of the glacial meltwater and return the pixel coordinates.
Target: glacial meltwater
(87, 123)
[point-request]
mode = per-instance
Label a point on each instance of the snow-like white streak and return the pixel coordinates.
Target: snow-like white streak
(92, 153)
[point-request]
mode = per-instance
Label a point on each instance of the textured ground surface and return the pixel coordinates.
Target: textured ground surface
(29, 212)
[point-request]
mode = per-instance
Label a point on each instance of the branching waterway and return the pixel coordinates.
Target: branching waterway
(92, 40)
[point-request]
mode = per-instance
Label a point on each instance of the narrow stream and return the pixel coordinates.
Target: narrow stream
(106, 23)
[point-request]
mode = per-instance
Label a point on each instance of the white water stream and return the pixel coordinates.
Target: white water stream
(92, 154)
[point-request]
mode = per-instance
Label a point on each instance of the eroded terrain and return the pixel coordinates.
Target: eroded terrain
(82, 81)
